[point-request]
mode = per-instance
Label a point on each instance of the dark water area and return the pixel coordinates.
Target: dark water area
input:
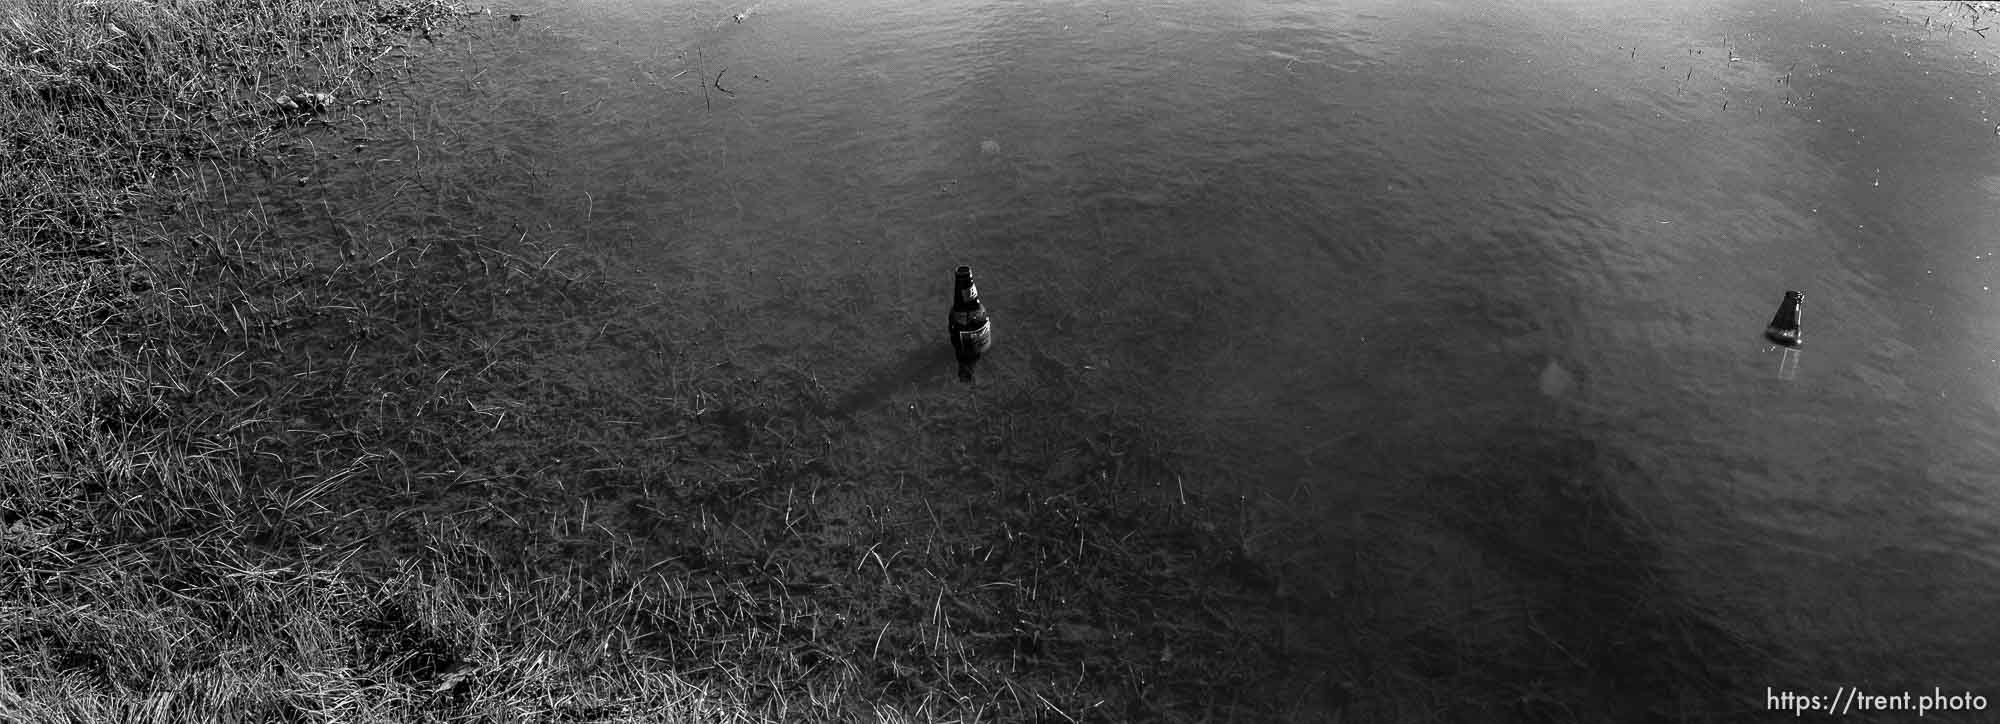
(1413, 251)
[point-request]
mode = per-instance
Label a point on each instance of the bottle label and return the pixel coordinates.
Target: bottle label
(978, 340)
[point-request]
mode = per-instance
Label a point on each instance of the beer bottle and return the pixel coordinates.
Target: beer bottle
(1784, 329)
(971, 331)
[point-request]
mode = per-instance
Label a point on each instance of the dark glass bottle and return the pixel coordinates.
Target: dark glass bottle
(1784, 329)
(971, 330)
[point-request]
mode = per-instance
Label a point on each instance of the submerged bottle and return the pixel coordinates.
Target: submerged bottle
(1784, 329)
(971, 330)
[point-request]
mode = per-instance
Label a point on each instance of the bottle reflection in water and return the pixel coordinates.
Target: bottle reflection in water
(971, 330)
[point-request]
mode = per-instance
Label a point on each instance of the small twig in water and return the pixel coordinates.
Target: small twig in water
(704, 89)
(718, 81)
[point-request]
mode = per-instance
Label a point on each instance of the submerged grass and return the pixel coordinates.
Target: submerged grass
(267, 473)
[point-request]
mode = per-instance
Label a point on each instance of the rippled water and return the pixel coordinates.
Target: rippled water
(1349, 245)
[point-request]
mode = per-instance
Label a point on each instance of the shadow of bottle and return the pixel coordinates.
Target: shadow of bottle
(923, 366)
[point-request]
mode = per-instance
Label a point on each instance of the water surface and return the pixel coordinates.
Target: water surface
(1349, 247)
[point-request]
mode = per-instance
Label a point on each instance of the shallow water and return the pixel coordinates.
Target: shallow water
(1343, 247)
